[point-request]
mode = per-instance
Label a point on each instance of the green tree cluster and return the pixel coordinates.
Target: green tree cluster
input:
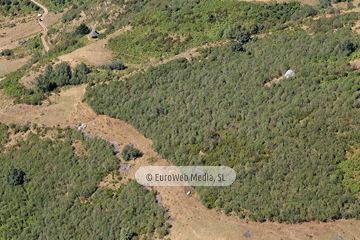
(15, 177)
(60, 76)
(17, 7)
(115, 65)
(61, 198)
(7, 52)
(285, 140)
(171, 27)
(82, 29)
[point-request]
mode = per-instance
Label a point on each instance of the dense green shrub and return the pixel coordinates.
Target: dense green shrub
(7, 52)
(82, 29)
(306, 11)
(285, 140)
(130, 152)
(116, 65)
(79, 74)
(60, 195)
(15, 177)
(171, 27)
(235, 46)
(60, 76)
(337, 22)
(32, 99)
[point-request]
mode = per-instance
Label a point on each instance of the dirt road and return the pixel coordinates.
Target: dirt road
(46, 11)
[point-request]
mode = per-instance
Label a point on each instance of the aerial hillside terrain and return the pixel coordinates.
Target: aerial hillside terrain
(90, 91)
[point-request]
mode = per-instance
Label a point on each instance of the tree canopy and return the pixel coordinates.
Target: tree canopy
(15, 177)
(285, 140)
(61, 198)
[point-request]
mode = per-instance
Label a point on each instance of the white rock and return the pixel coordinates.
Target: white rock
(289, 73)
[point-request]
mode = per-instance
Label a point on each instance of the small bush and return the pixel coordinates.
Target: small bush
(235, 46)
(71, 15)
(82, 29)
(130, 152)
(116, 65)
(15, 177)
(7, 52)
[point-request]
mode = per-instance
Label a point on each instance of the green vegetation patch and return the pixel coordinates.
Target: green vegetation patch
(285, 140)
(351, 167)
(169, 27)
(59, 197)
(61, 75)
(14, 7)
(130, 152)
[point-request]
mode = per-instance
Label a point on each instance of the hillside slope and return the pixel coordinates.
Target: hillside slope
(284, 141)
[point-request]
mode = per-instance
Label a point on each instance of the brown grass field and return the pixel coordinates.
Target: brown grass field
(10, 39)
(95, 53)
(21, 31)
(7, 66)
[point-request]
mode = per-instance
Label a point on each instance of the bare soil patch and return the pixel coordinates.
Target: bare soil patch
(79, 148)
(356, 63)
(61, 109)
(274, 80)
(26, 28)
(52, 18)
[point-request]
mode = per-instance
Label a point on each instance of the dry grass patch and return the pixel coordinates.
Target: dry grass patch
(95, 53)
(79, 149)
(29, 79)
(7, 66)
(356, 63)
(15, 138)
(274, 80)
(20, 31)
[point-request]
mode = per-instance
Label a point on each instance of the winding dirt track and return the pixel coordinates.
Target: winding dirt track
(41, 23)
